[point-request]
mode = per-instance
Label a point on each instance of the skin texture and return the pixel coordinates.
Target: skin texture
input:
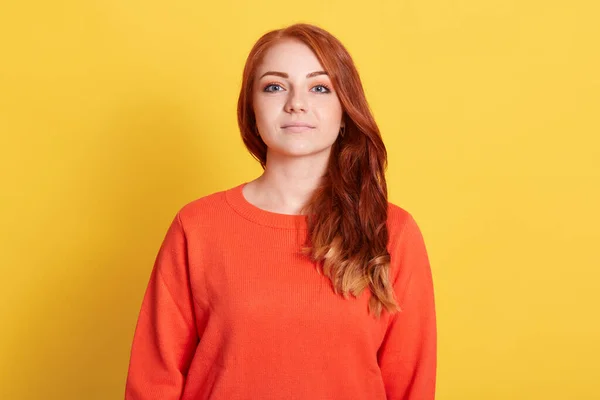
(296, 157)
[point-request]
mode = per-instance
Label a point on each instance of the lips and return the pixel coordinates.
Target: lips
(297, 128)
(297, 125)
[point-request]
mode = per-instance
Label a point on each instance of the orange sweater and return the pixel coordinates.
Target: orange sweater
(233, 312)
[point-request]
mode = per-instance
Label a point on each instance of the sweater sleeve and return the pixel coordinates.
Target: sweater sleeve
(165, 336)
(408, 355)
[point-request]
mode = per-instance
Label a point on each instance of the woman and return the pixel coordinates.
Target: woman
(305, 283)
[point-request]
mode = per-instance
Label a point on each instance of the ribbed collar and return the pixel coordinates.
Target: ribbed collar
(235, 198)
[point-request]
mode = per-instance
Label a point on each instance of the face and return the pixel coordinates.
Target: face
(297, 111)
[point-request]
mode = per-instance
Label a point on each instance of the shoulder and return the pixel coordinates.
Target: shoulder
(207, 210)
(398, 220)
(406, 244)
(202, 204)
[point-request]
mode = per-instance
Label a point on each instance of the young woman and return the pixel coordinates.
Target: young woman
(305, 283)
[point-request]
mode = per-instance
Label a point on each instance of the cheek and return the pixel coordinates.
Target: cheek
(330, 111)
(265, 109)
(336, 106)
(259, 111)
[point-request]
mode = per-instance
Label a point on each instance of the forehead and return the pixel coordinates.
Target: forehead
(290, 56)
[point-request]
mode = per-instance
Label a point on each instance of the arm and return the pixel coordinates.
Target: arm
(165, 336)
(408, 354)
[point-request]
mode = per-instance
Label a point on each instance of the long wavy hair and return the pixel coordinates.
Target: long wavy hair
(347, 213)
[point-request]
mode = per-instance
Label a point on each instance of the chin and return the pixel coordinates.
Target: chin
(299, 151)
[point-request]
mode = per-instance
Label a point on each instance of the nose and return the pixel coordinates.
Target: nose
(295, 102)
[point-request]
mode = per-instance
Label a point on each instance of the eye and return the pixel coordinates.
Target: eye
(270, 86)
(322, 89)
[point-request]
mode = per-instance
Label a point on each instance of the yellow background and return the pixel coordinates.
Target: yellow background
(113, 114)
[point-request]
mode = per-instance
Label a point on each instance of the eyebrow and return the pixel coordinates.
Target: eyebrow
(284, 75)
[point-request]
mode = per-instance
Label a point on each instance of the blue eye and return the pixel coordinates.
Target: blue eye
(267, 88)
(327, 90)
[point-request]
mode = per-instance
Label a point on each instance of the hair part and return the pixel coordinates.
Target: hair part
(347, 213)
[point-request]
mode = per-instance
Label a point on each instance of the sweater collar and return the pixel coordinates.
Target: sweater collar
(236, 199)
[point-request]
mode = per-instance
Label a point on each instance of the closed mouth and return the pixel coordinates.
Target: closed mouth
(297, 126)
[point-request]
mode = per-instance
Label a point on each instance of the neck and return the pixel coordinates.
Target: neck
(287, 183)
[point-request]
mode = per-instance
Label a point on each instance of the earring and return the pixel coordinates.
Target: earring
(342, 131)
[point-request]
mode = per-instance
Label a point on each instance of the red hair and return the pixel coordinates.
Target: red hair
(348, 232)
